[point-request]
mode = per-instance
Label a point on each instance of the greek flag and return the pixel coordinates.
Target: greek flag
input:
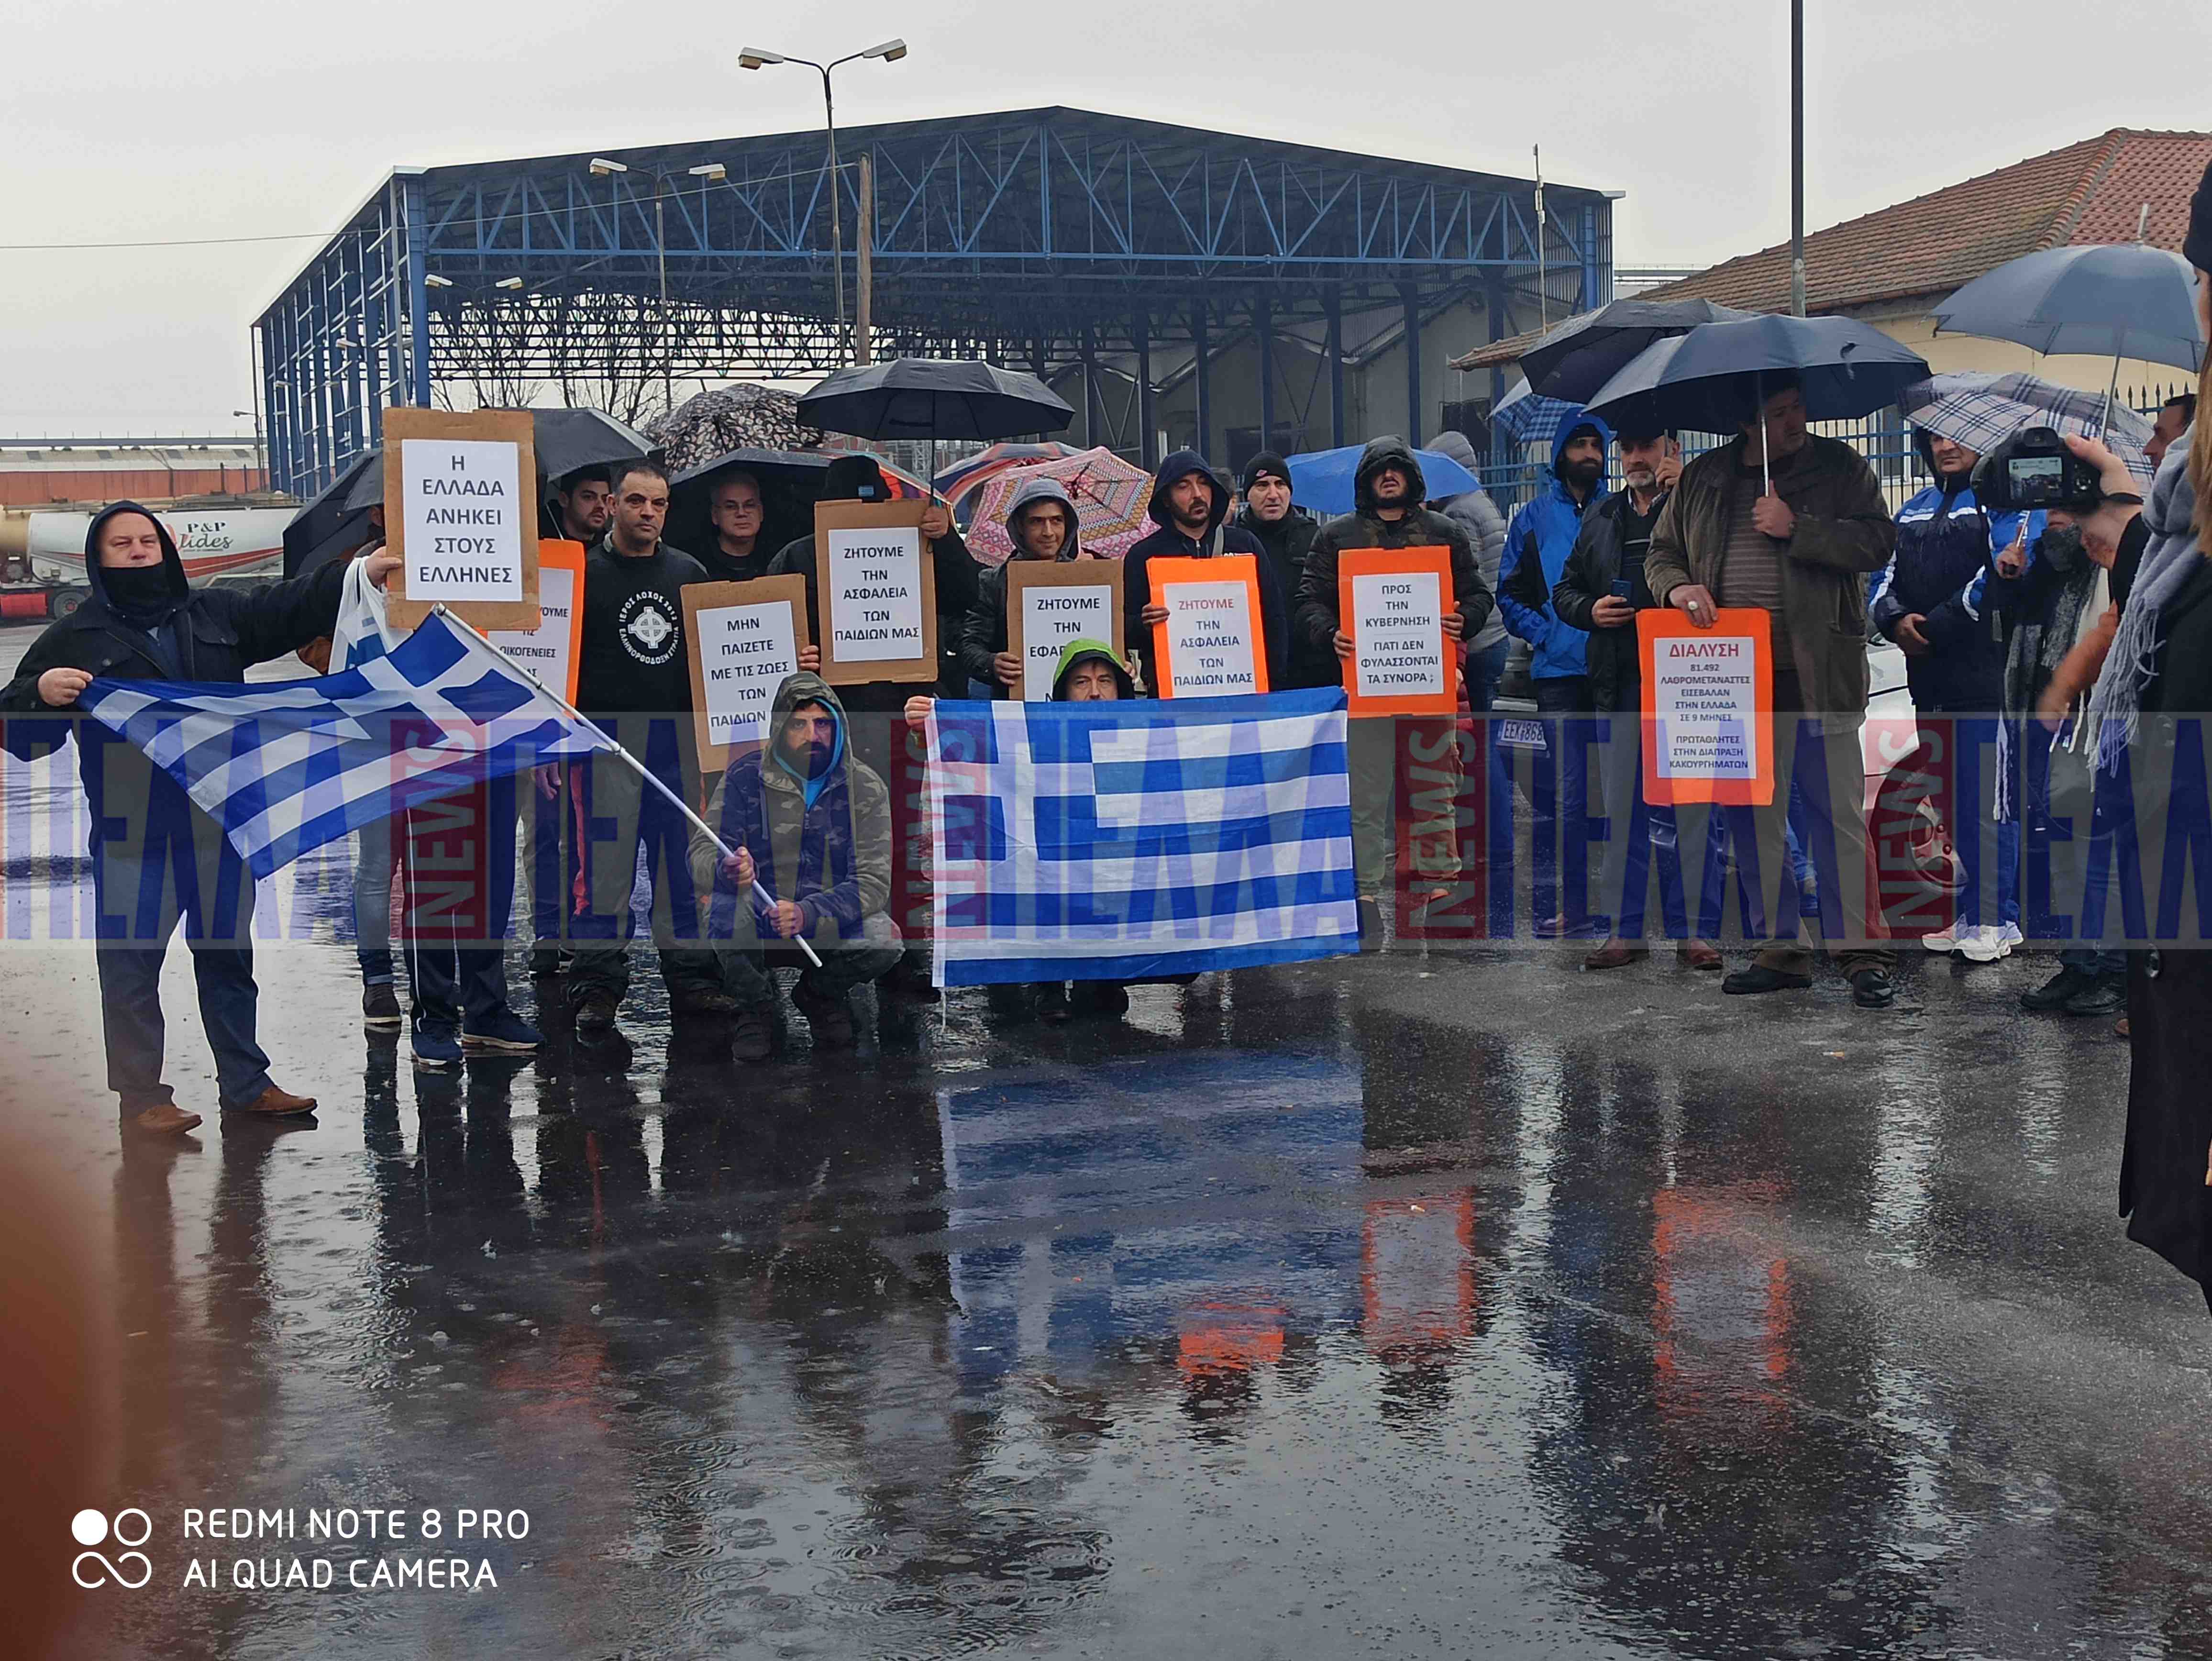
(1126, 841)
(286, 768)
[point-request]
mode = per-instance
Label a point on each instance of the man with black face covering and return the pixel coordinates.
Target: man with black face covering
(156, 858)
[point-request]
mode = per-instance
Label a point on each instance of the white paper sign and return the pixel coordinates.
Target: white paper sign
(1705, 698)
(1050, 619)
(745, 652)
(1209, 638)
(545, 651)
(461, 519)
(1402, 644)
(875, 594)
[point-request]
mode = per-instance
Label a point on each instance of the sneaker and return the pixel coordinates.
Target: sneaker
(752, 1036)
(828, 1015)
(2100, 994)
(2053, 994)
(434, 1044)
(1945, 938)
(506, 1031)
(380, 1007)
(2011, 937)
(595, 1012)
(1983, 943)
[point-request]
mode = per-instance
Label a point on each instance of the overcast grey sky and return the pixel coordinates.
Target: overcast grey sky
(133, 120)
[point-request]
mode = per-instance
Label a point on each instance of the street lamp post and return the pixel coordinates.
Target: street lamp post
(754, 57)
(705, 174)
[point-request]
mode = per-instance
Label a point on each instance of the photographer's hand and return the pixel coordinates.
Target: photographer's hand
(2101, 527)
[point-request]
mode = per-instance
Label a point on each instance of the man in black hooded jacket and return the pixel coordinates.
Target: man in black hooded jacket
(1388, 490)
(1189, 503)
(156, 858)
(1286, 531)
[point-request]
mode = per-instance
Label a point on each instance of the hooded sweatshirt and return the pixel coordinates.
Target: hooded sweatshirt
(983, 632)
(158, 629)
(1540, 539)
(821, 841)
(1485, 525)
(1365, 528)
(1077, 652)
(1168, 542)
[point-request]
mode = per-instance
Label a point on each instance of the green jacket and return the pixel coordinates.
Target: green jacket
(832, 856)
(1844, 532)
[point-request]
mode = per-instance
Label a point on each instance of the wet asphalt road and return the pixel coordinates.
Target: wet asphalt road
(1400, 1306)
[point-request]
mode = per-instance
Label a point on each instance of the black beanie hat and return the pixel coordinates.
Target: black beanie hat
(1267, 463)
(2196, 245)
(855, 477)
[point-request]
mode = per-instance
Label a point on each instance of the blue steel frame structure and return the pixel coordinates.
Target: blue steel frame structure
(1037, 238)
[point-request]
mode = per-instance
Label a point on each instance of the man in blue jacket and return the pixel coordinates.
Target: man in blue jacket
(1537, 544)
(1954, 660)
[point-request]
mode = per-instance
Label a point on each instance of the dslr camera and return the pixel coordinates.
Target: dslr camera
(2033, 469)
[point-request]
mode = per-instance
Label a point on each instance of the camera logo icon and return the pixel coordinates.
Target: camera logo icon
(92, 1528)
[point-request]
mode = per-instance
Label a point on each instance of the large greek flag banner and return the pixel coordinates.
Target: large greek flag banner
(1124, 841)
(286, 767)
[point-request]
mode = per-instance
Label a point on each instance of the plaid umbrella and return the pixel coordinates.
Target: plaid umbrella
(1981, 410)
(1530, 417)
(1111, 499)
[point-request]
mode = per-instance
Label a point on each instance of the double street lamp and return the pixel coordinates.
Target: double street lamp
(890, 52)
(705, 174)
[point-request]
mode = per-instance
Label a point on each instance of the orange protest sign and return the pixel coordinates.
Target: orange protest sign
(551, 650)
(1392, 602)
(1214, 643)
(1708, 707)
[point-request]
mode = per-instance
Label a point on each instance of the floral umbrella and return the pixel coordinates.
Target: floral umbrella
(736, 417)
(1111, 499)
(966, 475)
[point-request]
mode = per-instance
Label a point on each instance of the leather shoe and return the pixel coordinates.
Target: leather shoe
(164, 1119)
(1760, 978)
(2101, 995)
(1615, 954)
(275, 1104)
(1698, 954)
(1872, 988)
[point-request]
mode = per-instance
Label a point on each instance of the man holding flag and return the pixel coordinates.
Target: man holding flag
(156, 857)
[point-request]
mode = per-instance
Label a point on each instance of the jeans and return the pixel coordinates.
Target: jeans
(1561, 835)
(459, 896)
(140, 890)
(1486, 666)
(372, 903)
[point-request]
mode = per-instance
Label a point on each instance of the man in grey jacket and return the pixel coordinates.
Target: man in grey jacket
(1474, 512)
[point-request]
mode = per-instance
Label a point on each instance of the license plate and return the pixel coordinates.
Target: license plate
(1521, 734)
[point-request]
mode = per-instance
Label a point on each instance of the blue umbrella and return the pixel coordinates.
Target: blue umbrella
(1529, 417)
(1709, 380)
(2100, 299)
(1321, 480)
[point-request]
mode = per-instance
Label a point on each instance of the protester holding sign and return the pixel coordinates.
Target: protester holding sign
(1388, 490)
(1599, 591)
(1041, 523)
(812, 826)
(1799, 548)
(634, 680)
(737, 552)
(156, 857)
(1190, 503)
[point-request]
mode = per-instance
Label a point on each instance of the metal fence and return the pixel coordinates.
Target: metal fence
(1515, 471)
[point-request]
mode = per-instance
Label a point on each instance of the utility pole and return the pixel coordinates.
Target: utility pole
(1543, 294)
(1797, 158)
(864, 301)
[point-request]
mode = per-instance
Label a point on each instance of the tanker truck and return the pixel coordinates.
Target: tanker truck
(225, 538)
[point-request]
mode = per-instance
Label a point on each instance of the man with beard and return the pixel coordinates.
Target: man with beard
(1190, 504)
(1600, 591)
(1286, 532)
(813, 825)
(578, 504)
(1537, 543)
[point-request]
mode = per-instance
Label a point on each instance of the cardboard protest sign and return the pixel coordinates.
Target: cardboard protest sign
(1392, 602)
(745, 637)
(1052, 602)
(1214, 643)
(1708, 707)
(876, 586)
(551, 650)
(460, 510)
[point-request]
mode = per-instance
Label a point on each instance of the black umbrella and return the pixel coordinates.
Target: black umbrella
(569, 439)
(1709, 380)
(790, 482)
(330, 524)
(1578, 358)
(934, 397)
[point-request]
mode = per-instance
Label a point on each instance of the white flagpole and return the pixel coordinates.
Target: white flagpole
(470, 632)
